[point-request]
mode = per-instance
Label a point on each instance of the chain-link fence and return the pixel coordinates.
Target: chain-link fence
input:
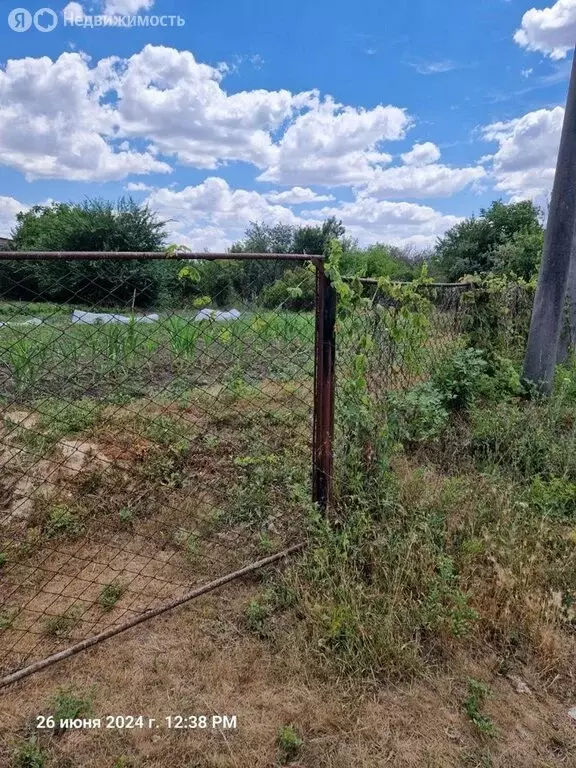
(405, 331)
(155, 443)
(149, 445)
(404, 352)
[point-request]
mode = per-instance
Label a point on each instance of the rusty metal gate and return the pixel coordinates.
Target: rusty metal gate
(154, 444)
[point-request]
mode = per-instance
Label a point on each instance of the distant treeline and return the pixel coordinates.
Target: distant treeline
(506, 238)
(97, 225)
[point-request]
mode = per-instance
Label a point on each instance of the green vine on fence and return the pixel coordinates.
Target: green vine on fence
(497, 313)
(392, 315)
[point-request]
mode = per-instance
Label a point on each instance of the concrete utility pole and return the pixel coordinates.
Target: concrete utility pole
(567, 342)
(547, 315)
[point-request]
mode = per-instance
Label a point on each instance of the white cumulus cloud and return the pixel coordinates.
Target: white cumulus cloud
(297, 196)
(117, 118)
(80, 120)
(211, 215)
(525, 162)
(167, 96)
(138, 186)
(398, 223)
(127, 6)
(549, 30)
(53, 124)
(422, 154)
(9, 207)
(334, 145)
(420, 176)
(215, 208)
(433, 180)
(73, 11)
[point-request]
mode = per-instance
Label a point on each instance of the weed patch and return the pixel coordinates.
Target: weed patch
(478, 692)
(62, 521)
(289, 744)
(63, 624)
(110, 594)
(29, 755)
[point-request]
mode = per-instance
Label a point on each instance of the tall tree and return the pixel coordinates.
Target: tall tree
(381, 260)
(475, 245)
(251, 277)
(265, 238)
(315, 239)
(93, 225)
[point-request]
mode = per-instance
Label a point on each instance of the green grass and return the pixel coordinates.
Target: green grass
(184, 453)
(449, 534)
(455, 495)
(62, 521)
(478, 692)
(68, 359)
(22, 310)
(62, 625)
(7, 618)
(62, 418)
(110, 594)
(67, 705)
(126, 516)
(29, 755)
(257, 615)
(289, 744)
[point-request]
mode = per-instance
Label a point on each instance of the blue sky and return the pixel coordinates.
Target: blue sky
(398, 118)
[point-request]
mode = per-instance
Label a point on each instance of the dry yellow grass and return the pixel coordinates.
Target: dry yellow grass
(203, 660)
(172, 540)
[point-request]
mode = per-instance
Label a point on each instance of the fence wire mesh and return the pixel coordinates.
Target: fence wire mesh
(400, 349)
(143, 451)
(152, 444)
(404, 332)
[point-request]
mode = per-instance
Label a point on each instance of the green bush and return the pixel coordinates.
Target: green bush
(106, 283)
(295, 291)
(461, 378)
(496, 314)
(418, 414)
(470, 374)
(94, 225)
(555, 497)
(502, 379)
(29, 755)
(289, 744)
(381, 260)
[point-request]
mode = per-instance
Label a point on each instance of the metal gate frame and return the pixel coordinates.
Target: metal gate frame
(322, 428)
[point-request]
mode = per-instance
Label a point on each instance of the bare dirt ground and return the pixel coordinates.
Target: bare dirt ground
(203, 659)
(62, 507)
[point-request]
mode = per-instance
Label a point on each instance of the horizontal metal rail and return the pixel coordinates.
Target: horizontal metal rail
(374, 281)
(151, 255)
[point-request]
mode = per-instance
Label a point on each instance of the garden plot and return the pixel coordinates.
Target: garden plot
(140, 459)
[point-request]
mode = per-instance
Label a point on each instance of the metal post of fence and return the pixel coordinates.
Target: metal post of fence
(325, 356)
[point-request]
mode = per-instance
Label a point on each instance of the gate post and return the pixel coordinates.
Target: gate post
(325, 356)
